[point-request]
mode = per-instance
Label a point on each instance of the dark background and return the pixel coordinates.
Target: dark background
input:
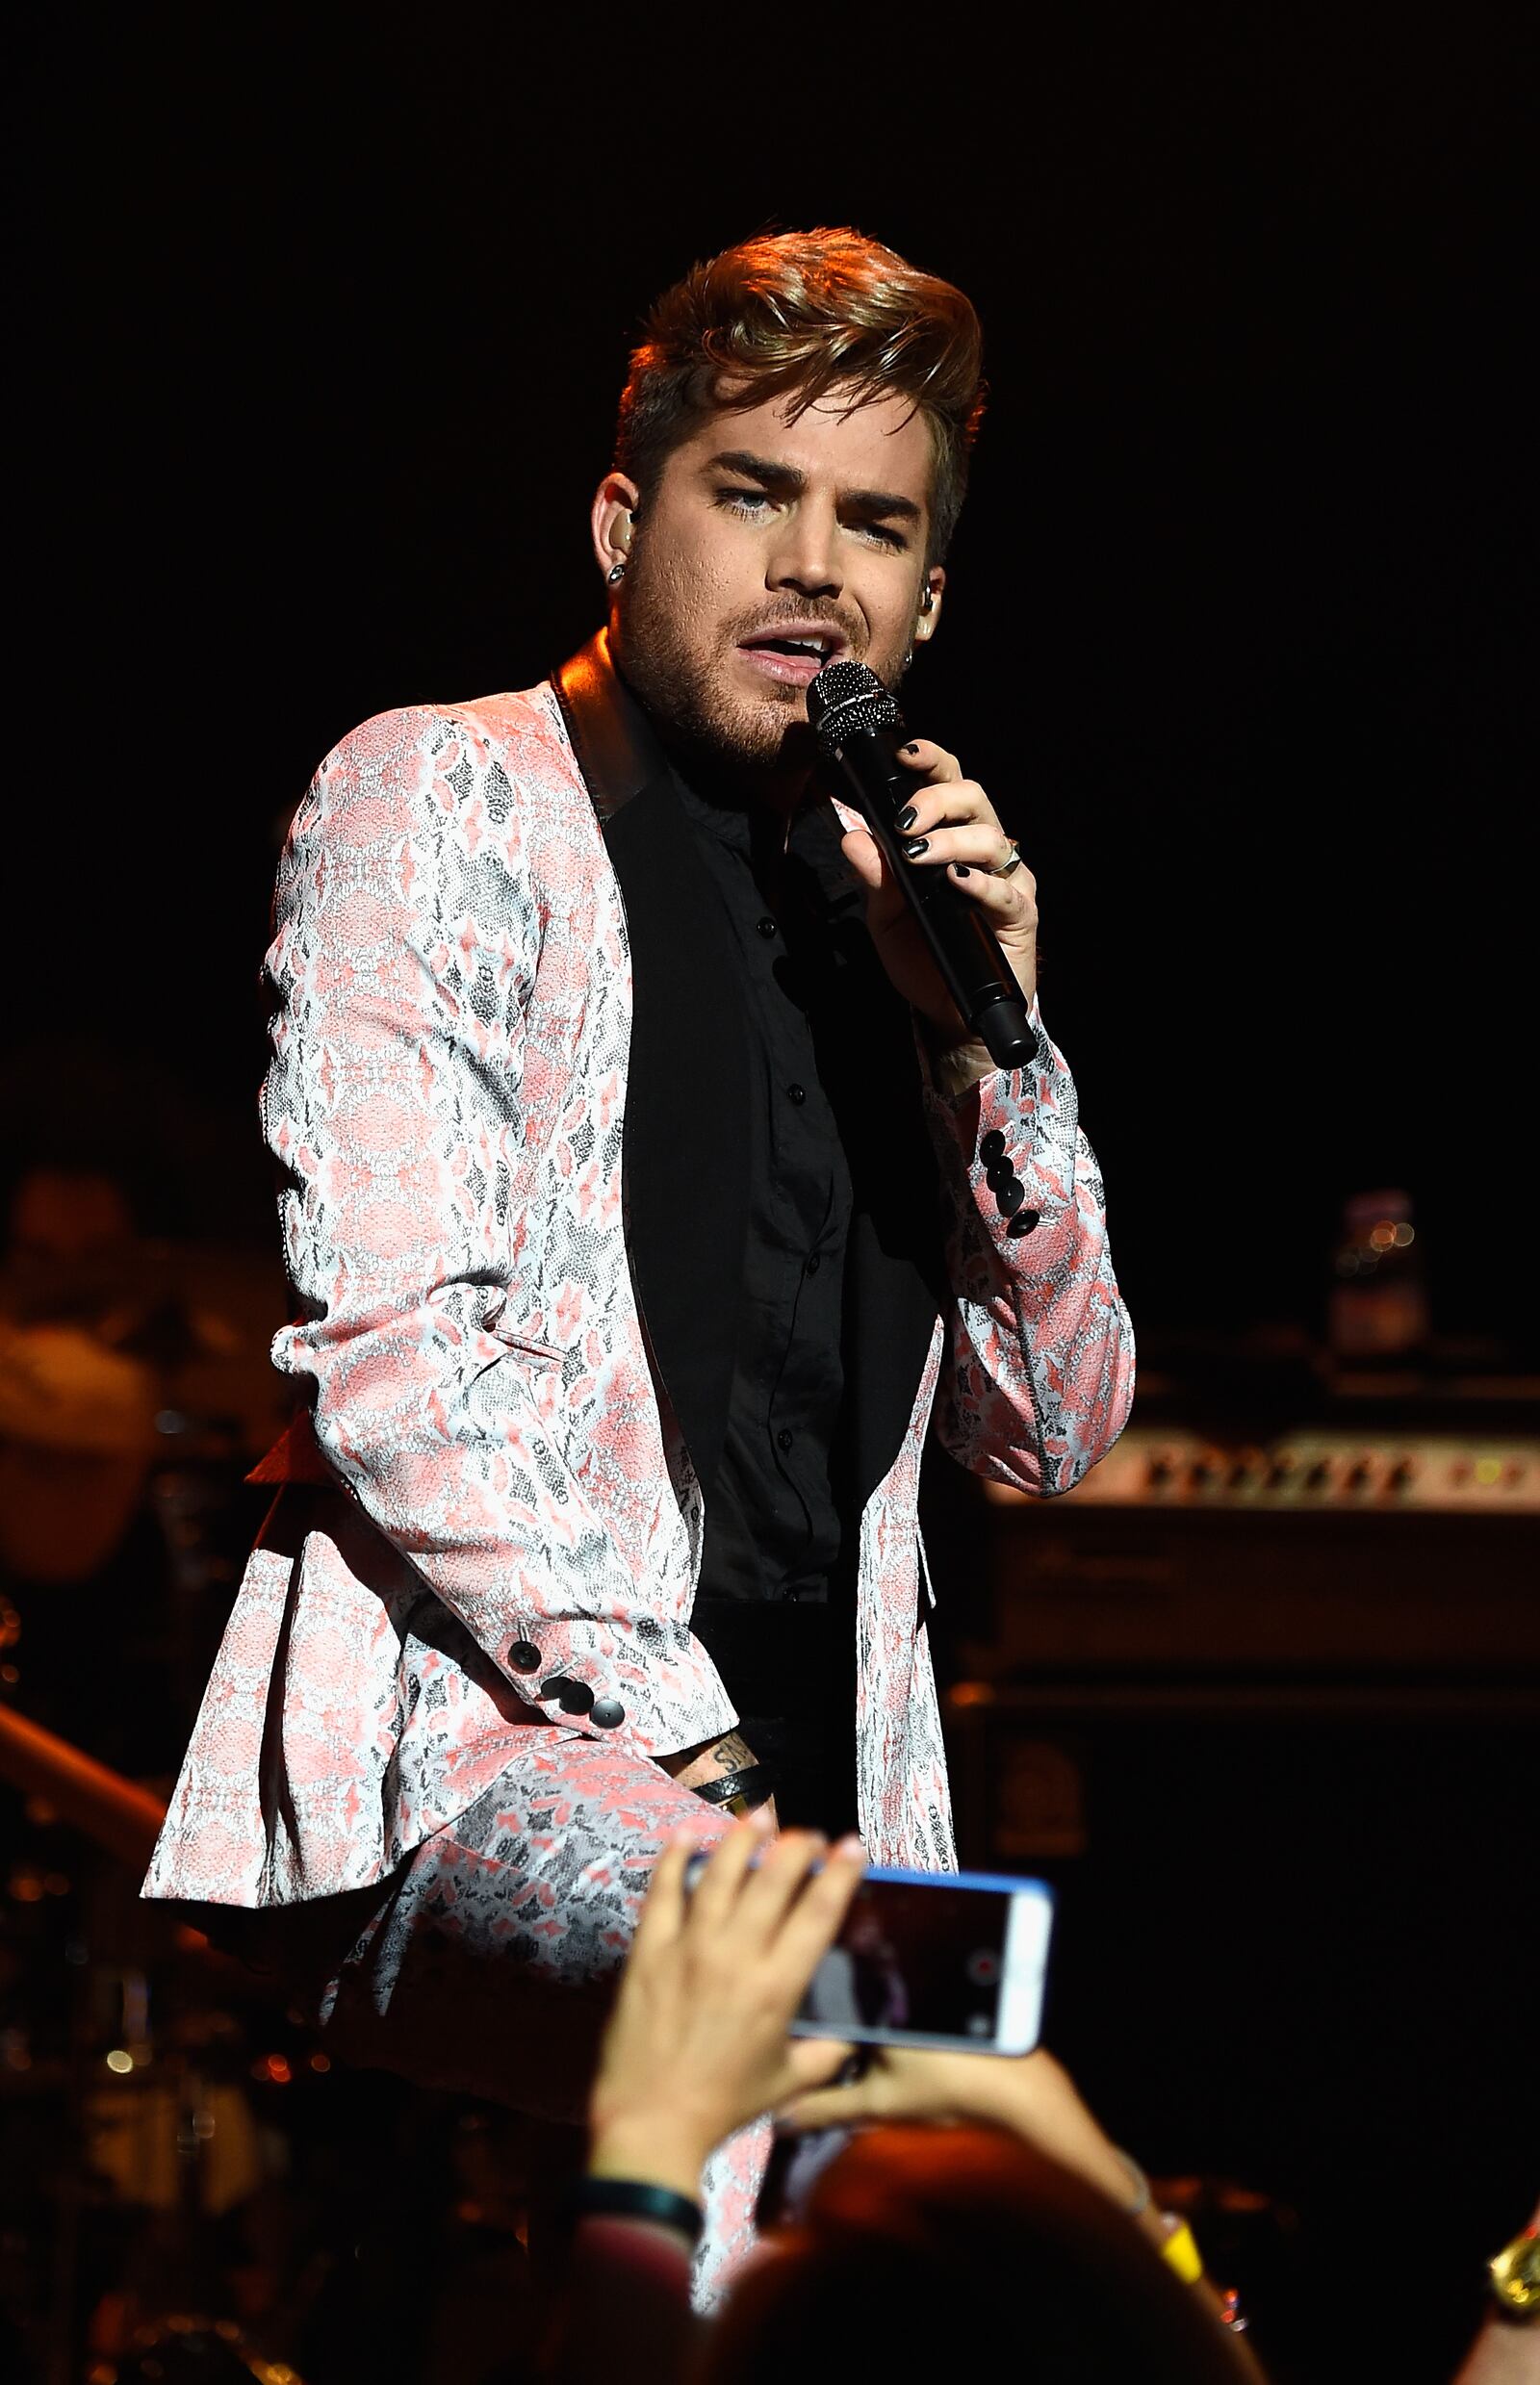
(323, 317)
(324, 314)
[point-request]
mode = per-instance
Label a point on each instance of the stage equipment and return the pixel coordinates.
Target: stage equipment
(1261, 1700)
(116, 1813)
(1336, 1552)
(860, 727)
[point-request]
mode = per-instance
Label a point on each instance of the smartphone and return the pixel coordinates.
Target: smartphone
(950, 1958)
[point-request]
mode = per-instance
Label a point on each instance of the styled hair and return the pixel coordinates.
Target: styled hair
(796, 315)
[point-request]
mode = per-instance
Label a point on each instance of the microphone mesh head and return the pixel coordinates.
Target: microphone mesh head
(846, 698)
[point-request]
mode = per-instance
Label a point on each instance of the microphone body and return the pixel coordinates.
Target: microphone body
(858, 724)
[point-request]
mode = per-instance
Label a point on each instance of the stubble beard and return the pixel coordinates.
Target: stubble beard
(688, 695)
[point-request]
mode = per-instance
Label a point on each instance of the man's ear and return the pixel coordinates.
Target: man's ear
(929, 606)
(616, 502)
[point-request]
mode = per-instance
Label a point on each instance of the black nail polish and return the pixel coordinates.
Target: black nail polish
(916, 846)
(906, 818)
(961, 869)
(913, 746)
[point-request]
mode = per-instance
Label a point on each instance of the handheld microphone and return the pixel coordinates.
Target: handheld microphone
(858, 723)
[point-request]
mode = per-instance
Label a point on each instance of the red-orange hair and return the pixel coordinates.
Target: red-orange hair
(797, 315)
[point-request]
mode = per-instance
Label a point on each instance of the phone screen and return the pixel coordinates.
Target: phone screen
(958, 1958)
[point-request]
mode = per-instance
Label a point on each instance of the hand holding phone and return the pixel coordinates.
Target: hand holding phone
(698, 2042)
(1030, 2096)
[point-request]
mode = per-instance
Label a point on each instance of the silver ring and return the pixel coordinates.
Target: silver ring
(1014, 862)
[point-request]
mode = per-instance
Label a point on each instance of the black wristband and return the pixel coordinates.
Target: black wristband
(751, 1784)
(634, 2199)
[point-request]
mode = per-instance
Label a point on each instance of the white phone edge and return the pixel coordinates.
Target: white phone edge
(1024, 1971)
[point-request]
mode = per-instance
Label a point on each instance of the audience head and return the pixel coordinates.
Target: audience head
(925, 2252)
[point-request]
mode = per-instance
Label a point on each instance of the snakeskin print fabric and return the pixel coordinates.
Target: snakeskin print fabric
(489, 1967)
(518, 1530)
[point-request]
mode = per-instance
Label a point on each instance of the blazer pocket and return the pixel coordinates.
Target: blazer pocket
(525, 1347)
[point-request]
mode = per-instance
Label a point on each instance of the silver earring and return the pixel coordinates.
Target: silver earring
(928, 600)
(617, 574)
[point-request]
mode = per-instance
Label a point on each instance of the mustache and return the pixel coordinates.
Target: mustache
(766, 624)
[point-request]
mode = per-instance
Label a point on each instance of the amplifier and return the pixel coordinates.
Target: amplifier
(1325, 1550)
(1310, 1470)
(1263, 1706)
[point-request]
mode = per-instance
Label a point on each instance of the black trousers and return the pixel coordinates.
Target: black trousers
(791, 1671)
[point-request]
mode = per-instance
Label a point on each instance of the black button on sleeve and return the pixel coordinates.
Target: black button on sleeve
(999, 1174)
(767, 927)
(524, 1656)
(796, 1094)
(992, 1147)
(782, 1439)
(1011, 1196)
(1023, 1221)
(607, 1713)
(573, 1697)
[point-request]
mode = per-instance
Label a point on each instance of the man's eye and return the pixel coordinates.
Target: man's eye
(742, 501)
(884, 534)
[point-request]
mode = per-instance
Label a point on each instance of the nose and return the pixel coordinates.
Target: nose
(805, 558)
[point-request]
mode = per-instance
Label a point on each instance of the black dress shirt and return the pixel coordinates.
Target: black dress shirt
(776, 1596)
(773, 1528)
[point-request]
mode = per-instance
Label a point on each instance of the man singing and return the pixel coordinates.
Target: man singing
(645, 1202)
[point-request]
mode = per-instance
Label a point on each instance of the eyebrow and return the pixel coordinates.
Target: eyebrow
(876, 504)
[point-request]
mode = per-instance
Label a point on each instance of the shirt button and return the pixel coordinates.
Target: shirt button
(1011, 1196)
(608, 1713)
(524, 1656)
(1024, 1222)
(766, 927)
(783, 1440)
(814, 1264)
(796, 1094)
(991, 1148)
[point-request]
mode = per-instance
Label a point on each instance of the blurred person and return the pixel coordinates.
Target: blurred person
(982, 2208)
(604, 1506)
(1506, 2348)
(133, 1376)
(76, 1407)
(863, 1978)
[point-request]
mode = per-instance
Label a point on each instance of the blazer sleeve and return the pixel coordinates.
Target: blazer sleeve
(1038, 1376)
(406, 935)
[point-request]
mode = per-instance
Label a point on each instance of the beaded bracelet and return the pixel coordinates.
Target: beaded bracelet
(634, 2198)
(1180, 2250)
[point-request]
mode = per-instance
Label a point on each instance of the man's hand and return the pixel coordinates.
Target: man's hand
(961, 831)
(695, 1767)
(696, 2045)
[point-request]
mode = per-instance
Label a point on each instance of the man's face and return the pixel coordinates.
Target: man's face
(769, 548)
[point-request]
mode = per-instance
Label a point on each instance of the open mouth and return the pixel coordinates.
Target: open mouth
(793, 657)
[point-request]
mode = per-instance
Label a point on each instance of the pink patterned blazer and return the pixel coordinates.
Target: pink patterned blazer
(503, 1524)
